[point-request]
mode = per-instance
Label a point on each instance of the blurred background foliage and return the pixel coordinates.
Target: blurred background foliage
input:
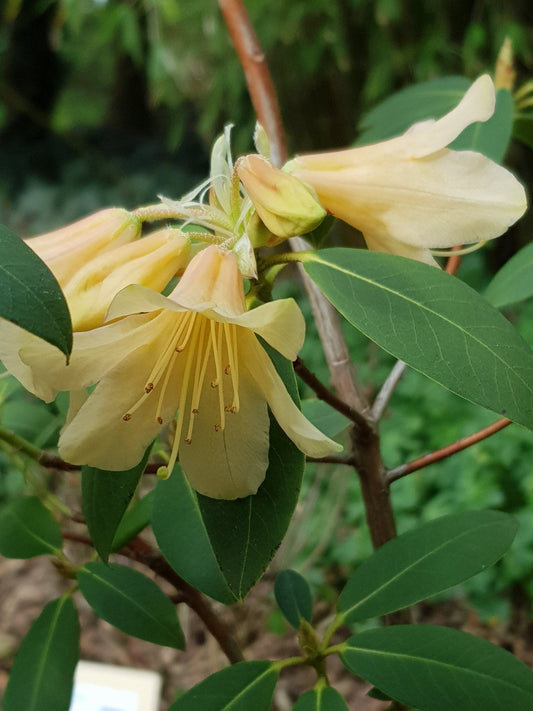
(116, 101)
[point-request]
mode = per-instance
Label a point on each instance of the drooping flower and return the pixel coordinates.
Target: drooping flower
(151, 261)
(69, 248)
(411, 194)
(195, 352)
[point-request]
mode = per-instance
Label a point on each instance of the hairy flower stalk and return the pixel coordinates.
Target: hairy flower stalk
(411, 194)
(196, 353)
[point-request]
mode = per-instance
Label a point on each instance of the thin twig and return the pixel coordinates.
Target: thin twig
(323, 393)
(445, 452)
(387, 389)
(142, 552)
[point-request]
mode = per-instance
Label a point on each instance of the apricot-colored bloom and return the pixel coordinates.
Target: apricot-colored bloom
(411, 194)
(151, 261)
(68, 249)
(195, 352)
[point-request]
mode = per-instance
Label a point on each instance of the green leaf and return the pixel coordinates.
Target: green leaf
(425, 561)
(43, 673)
(438, 669)
(323, 416)
(493, 136)
(134, 521)
(324, 699)
(28, 529)
(30, 295)
(131, 602)
(106, 496)
(514, 281)
(427, 100)
(293, 597)
(223, 547)
(241, 687)
(434, 322)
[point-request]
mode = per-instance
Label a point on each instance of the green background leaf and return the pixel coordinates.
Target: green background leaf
(134, 521)
(293, 597)
(324, 417)
(324, 699)
(28, 529)
(425, 561)
(30, 295)
(106, 496)
(241, 687)
(433, 322)
(223, 547)
(131, 602)
(43, 673)
(438, 669)
(514, 281)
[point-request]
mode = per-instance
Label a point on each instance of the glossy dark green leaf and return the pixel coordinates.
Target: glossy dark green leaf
(324, 699)
(134, 521)
(425, 561)
(241, 687)
(223, 547)
(28, 529)
(514, 281)
(106, 496)
(30, 295)
(131, 602)
(434, 322)
(293, 597)
(323, 416)
(426, 100)
(438, 669)
(43, 673)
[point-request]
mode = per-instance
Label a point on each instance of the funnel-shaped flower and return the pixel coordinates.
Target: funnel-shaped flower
(151, 261)
(285, 205)
(411, 194)
(195, 352)
(66, 250)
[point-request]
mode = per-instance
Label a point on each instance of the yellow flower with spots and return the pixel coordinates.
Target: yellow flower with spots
(195, 352)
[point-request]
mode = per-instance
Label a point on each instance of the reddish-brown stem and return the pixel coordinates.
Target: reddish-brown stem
(142, 552)
(444, 452)
(258, 79)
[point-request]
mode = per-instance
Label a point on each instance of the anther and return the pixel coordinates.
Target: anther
(148, 388)
(195, 411)
(218, 428)
(160, 420)
(227, 370)
(214, 384)
(187, 440)
(126, 417)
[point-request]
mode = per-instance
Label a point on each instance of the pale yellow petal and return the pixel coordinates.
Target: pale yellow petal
(305, 435)
(14, 341)
(229, 463)
(280, 323)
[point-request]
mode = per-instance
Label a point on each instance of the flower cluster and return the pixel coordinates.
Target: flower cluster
(192, 361)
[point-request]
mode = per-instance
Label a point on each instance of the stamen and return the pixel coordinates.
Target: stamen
(217, 333)
(199, 376)
(230, 331)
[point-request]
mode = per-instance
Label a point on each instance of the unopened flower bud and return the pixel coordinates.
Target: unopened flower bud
(66, 250)
(286, 205)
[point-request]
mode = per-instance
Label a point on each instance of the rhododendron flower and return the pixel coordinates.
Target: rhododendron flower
(411, 194)
(68, 249)
(151, 261)
(195, 352)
